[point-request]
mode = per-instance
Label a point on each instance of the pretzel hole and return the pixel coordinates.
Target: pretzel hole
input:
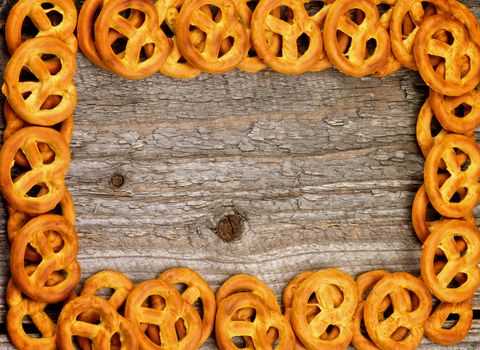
(252, 5)
(120, 44)
(331, 333)
(55, 17)
(383, 8)
(47, 5)
(341, 34)
(29, 30)
(463, 110)
(181, 329)
(314, 7)
(242, 342)
(303, 42)
(216, 13)
(462, 246)
(465, 67)
(153, 332)
(386, 313)
(30, 328)
(166, 29)
(451, 321)
(26, 75)
(371, 46)
(435, 127)
(34, 191)
(431, 214)
(356, 15)
(400, 334)
(145, 53)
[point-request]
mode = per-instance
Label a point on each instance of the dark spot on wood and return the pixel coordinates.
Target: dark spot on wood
(117, 180)
(230, 228)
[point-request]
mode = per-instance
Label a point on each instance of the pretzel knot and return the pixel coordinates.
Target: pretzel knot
(51, 175)
(38, 11)
(208, 57)
(445, 236)
(100, 334)
(34, 233)
(174, 309)
(331, 313)
(28, 98)
(227, 327)
(291, 60)
(357, 61)
(442, 196)
(132, 61)
(397, 286)
(460, 71)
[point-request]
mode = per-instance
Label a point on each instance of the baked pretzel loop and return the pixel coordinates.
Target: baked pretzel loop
(357, 61)
(20, 306)
(132, 61)
(35, 234)
(41, 13)
(442, 197)
(445, 110)
(425, 135)
(227, 327)
(111, 323)
(207, 57)
(407, 17)
(15, 123)
(381, 330)
(28, 97)
(445, 237)
(290, 59)
(175, 309)
(421, 225)
(467, 18)
(17, 219)
(460, 71)
(197, 290)
(50, 175)
(434, 326)
(331, 314)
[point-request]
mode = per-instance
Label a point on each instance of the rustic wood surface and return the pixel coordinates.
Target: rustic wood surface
(321, 167)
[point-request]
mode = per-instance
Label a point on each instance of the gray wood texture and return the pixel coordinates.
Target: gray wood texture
(322, 167)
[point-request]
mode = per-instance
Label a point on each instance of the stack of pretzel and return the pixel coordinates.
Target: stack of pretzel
(322, 309)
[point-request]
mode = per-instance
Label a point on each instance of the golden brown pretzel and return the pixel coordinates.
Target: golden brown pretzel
(34, 233)
(445, 106)
(444, 236)
(356, 62)
(208, 57)
(447, 336)
(228, 327)
(14, 123)
(17, 219)
(29, 57)
(174, 309)
(291, 60)
(129, 63)
(51, 175)
(441, 195)
(340, 316)
(38, 13)
(100, 334)
(196, 290)
(463, 14)
(403, 36)
(394, 286)
(452, 77)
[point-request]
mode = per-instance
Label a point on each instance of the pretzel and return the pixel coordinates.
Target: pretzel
(100, 334)
(228, 327)
(38, 14)
(29, 57)
(403, 36)
(356, 62)
(448, 336)
(394, 286)
(16, 190)
(443, 236)
(14, 123)
(174, 309)
(441, 195)
(340, 316)
(208, 58)
(421, 225)
(17, 219)
(196, 290)
(463, 14)
(251, 62)
(291, 61)
(20, 306)
(34, 233)
(129, 62)
(445, 106)
(453, 77)
(426, 140)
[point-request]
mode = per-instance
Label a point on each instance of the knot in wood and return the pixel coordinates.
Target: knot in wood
(117, 180)
(230, 227)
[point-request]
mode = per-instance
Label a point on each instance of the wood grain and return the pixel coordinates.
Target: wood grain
(322, 167)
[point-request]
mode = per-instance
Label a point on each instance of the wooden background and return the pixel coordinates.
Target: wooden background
(321, 167)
